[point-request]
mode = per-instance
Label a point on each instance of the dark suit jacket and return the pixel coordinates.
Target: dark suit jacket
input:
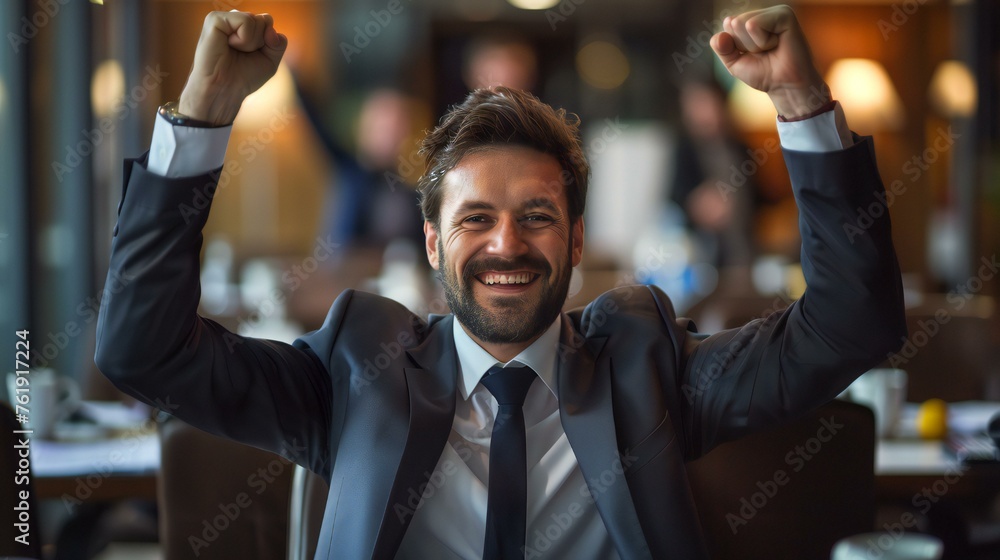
(368, 400)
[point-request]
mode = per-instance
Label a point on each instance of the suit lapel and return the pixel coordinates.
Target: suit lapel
(432, 390)
(585, 406)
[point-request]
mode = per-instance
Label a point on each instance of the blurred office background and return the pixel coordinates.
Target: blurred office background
(689, 190)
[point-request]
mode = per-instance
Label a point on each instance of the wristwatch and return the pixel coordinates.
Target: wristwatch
(170, 112)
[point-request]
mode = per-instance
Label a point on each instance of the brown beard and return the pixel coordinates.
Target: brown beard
(517, 320)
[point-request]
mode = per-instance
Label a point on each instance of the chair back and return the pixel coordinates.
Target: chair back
(220, 499)
(305, 516)
(792, 491)
(950, 356)
(11, 487)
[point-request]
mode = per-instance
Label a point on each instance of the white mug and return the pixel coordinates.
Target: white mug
(884, 390)
(888, 546)
(50, 398)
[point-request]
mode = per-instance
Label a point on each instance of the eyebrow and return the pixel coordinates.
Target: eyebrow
(540, 203)
(474, 205)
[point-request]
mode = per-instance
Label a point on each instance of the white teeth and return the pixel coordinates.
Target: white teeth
(522, 278)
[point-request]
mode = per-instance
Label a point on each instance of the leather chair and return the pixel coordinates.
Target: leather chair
(952, 349)
(220, 499)
(10, 493)
(792, 491)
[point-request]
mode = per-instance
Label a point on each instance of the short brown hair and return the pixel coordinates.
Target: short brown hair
(497, 116)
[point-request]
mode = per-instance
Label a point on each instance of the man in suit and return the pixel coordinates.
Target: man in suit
(396, 413)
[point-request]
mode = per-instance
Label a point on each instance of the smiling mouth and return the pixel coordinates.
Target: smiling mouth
(510, 278)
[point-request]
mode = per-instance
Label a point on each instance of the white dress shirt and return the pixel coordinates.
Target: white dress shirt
(450, 523)
(562, 520)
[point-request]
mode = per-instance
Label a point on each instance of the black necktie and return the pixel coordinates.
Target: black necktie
(506, 508)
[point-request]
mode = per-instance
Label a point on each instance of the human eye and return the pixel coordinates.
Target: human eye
(537, 220)
(476, 221)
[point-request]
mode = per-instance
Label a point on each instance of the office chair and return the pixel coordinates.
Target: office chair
(787, 493)
(10, 492)
(220, 499)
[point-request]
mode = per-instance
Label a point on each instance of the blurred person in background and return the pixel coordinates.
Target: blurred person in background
(720, 215)
(500, 60)
(370, 204)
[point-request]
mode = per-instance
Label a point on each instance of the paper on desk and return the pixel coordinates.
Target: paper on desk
(136, 454)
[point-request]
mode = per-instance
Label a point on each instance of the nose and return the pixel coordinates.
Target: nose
(507, 238)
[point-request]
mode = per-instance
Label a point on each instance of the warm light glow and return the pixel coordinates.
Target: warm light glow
(533, 4)
(865, 91)
(273, 98)
(602, 65)
(107, 87)
(953, 89)
(751, 109)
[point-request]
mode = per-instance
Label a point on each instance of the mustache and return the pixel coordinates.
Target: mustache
(500, 264)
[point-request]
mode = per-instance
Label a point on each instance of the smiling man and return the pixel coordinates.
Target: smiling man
(506, 429)
(504, 244)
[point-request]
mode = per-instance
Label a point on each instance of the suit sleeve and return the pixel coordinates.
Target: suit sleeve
(153, 345)
(849, 319)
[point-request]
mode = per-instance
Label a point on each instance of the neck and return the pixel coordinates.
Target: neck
(502, 351)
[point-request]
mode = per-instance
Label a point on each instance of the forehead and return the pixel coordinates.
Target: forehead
(504, 176)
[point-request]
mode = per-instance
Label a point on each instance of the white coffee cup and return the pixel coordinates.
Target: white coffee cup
(50, 398)
(884, 390)
(888, 546)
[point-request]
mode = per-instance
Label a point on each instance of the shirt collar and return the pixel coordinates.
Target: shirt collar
(474, 361)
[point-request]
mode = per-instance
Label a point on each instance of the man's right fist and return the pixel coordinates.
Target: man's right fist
(237, 52)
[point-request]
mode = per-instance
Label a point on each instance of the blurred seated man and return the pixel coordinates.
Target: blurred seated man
(473, 434)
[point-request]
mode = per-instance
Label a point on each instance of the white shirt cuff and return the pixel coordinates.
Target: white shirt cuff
(186, 151)
(826, 132)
